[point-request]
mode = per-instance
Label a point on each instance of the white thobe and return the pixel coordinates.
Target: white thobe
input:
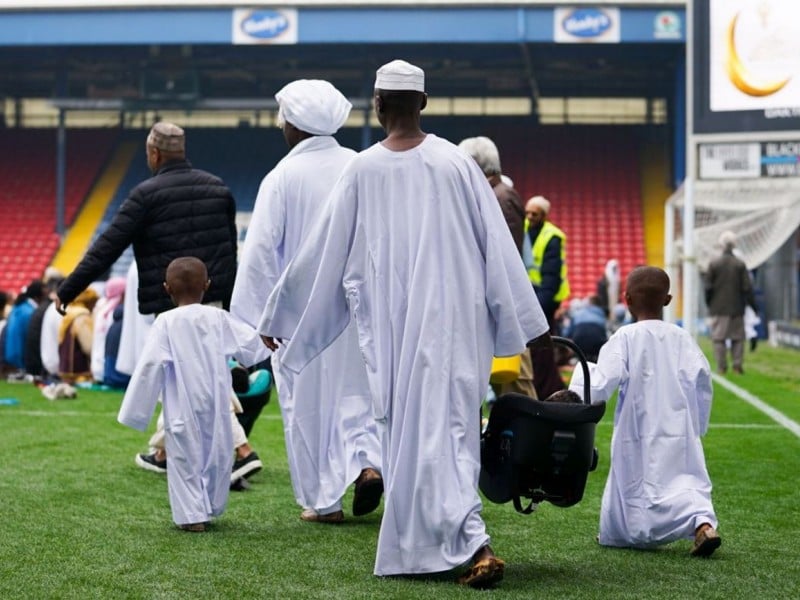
(414, 246)
(658, 489)
(135, 326)
(185, 360)
(49, 339)
(328, 425)
(102, 318)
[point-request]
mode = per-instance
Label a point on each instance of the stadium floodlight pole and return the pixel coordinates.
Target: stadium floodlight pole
(61, 160)
(670, 263)
(689, 261)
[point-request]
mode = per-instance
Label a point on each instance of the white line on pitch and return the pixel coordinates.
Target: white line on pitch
(774, 414)
(77, 413)
(743, 426)
(724, 425)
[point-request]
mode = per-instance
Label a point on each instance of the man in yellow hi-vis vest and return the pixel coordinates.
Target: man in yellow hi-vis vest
(545, 247)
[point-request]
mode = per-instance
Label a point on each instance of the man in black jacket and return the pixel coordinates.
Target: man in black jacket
(180, 211)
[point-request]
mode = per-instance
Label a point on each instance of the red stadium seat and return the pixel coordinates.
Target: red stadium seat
(591, 176)
(27, 195)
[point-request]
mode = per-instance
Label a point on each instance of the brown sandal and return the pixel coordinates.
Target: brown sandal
(311, 516)
(484, 573)
(706, 540)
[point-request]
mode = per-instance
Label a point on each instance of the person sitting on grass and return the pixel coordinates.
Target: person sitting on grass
(75, 334)
(185, 361)
(658, 489)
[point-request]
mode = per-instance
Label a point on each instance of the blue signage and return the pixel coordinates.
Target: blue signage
(265, 24)
(586, 22)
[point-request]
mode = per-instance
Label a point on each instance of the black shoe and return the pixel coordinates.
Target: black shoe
(240, 485)
(149, 463)
(246, 467)
(368, 492)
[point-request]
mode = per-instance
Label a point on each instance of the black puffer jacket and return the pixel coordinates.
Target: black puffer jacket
(180, 211)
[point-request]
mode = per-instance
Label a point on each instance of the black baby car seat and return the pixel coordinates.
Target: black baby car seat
(540, 450)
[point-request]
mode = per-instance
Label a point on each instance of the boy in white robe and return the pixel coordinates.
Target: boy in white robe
(185, 361)
(135, 329)
(413, 247)
(331, 436)
(658, 489)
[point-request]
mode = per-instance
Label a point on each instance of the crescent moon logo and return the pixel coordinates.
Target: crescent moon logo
(740, 76)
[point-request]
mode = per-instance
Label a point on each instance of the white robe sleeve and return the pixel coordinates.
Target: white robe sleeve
(309, 303)
(510, 296)
(135, 326)
(261, 261)
(701, 386)
(241, 341)
(605, 376)
(147, 381)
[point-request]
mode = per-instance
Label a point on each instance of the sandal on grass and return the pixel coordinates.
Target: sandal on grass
(485, 572)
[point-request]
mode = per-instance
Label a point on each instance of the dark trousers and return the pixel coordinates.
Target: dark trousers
(546, 376)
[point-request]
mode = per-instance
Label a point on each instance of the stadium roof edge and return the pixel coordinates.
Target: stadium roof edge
(492, 51)
(115, 104)
(60, 5)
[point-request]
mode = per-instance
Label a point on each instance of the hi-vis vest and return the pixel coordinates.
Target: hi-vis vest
(548, 232)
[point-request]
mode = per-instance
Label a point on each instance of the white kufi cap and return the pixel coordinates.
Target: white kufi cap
(399, 75)
(313, 106)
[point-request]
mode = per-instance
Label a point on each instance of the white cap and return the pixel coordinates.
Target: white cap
(314, 106)
(400, 75)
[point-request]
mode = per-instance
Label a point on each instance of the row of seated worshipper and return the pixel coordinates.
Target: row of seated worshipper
(40, 345)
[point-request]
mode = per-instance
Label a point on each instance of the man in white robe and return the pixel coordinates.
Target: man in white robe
(135, 325)
(185, 362)
(331, 436)
(658, 489)
(413, 247)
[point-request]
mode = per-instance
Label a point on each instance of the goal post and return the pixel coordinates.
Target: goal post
(763, 213)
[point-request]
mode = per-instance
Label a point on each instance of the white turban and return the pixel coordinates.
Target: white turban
(400, 75)
(540, 202)
(313, 106)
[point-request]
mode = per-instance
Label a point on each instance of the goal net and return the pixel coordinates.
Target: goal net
(762, 213)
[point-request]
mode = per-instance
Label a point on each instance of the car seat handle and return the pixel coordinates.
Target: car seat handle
(587, 387)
